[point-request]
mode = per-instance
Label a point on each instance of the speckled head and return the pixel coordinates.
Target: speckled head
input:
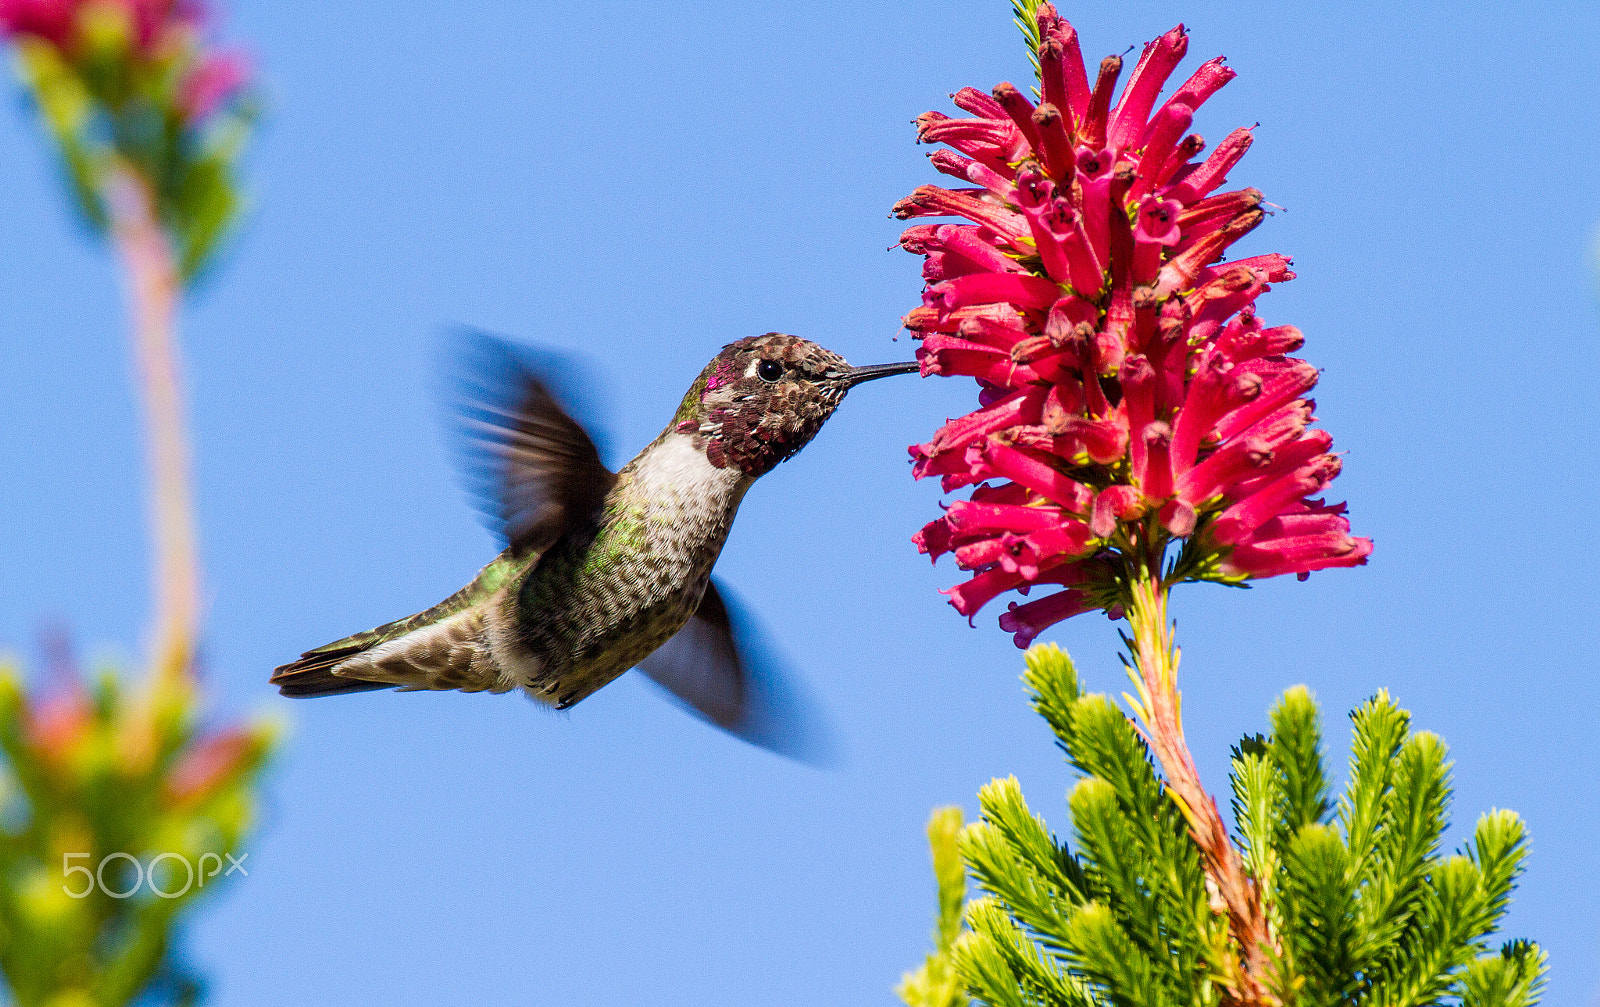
(763, 398)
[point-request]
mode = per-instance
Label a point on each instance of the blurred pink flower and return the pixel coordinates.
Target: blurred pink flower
(51, 20)
(218, 78)
(154, 21)
(55, 727)
(154, 25)
(1130, 397)
(209, 763)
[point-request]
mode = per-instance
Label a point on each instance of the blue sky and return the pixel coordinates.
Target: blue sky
(648, 182)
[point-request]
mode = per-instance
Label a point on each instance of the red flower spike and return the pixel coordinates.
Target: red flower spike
(971, 518)
(166, 67)
(933, 540)
(1181, 162)
(950, 163)
(200, 772)
(1272, 268)
(1026, 470)
(1221, 208)
(1018, 409)
(999, 185)
(972, 595)
(1230, 469)
(1157, 482)
(1129, 396)
(933, 201)
(1310, 537)
(1204, 83)
(1268, 383)
(1003, 333)
(1083, 441)
(1023, 290)
(1113, 504)
(1064, 400)
(990, 141)
(1178, 518)
(1083, 269)
(918, 239)
(1290, 458)
(965, 242)
(57, 728)
(1183, 269)
(1238, 521)
(1158, 221)
(1243, 345)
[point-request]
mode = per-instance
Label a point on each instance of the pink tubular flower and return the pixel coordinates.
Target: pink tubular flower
(1130, 397)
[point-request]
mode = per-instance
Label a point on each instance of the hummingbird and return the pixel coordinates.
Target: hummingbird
(602, 571)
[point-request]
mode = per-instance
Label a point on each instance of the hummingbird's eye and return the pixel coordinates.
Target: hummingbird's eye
(769, 370)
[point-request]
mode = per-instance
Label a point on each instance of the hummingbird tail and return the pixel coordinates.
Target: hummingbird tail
(443, 655)
(313, 675)
(439, 649)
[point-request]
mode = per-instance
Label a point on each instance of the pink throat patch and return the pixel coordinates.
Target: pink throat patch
(726, 373)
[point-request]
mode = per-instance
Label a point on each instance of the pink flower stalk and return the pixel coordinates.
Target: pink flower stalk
(151, 173)
(1130, 397)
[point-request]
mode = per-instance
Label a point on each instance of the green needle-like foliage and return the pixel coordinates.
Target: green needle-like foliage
(1364, 906)
(935, 984)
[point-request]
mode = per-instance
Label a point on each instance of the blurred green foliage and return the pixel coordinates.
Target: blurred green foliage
(117, 813)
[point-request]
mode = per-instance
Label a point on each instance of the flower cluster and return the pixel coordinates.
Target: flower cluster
(131, 90)
(1130, 397)
(147, 45)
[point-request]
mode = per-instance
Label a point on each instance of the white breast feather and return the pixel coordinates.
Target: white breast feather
(678, 471)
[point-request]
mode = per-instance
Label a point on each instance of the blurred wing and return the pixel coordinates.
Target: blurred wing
(719, 667)
(535, 470)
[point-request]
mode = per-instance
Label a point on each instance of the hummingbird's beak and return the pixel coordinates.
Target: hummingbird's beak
(872, 372)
